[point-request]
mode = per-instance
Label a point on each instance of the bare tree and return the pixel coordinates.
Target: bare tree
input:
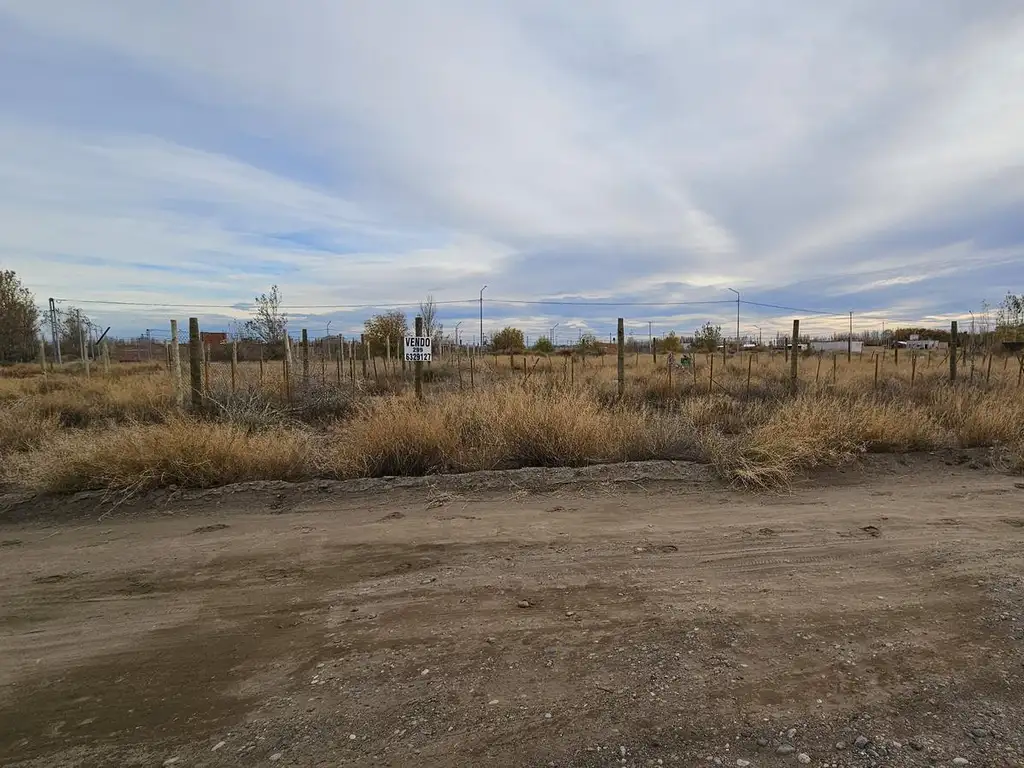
(269, 324)
(19, 319)
(432, 327)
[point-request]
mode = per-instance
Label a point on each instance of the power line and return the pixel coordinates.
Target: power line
(792, 309)
(564, 303)
(242, 306)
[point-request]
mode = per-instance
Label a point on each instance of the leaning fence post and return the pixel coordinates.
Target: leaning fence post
(195, 363)
(620, 354)
(794, 358)
(952, 351)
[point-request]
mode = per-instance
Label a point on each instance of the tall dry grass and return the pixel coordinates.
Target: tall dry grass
(123, 433)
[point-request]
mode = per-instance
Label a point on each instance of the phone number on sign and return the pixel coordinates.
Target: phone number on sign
(417, 357)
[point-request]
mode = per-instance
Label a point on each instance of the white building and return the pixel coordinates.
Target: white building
(837, 346)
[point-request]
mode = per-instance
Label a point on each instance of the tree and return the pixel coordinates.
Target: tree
(707, 337)
(588, 345)
(543, 346)
(432, 327)
(72, 326)
(508, 339)
(19, 320)
(1010, 317)
(269, 324)
(671, 343)
(380, 328)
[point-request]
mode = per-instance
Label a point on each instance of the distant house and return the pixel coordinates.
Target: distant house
(922, 344)
(855, 347)
(213, 338)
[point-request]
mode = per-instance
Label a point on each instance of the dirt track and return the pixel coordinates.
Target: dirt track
(600, 626)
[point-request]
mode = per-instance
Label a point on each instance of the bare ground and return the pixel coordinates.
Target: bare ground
(620, 616)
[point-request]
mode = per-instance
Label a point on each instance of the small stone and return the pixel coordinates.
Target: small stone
(791, 734)
(785, 749)
(840, 745)
(352, 737)
(979, 733)
(547, 715)
(961, 761)
(218, 745)
(171, 760)
(424, 673)
(275, 757)
(861, 741)
(896, 745)
(492, 702)
(915, 744)
(523, 603)
(742, 763)
(622, 751)
(762, 742)
(491, 640)
(804, 758)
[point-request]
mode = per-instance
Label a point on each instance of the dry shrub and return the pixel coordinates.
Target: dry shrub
(79, 402)
(498, 429)
(132, 458)
(978, 417)
(22, 429)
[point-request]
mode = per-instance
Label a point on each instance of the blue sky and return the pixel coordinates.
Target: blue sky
(857, 154)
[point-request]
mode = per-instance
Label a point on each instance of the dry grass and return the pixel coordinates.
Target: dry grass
(122, 433)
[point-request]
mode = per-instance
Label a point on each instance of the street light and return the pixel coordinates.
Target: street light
(551, 338)
(482, 315)
(457, 332)
(737, 315)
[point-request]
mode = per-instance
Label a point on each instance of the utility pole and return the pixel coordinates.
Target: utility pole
(482, 315)
(54, 330)
(737, 316)
(849, 340)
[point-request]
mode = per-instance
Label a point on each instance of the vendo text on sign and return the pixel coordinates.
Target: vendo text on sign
(417, 349)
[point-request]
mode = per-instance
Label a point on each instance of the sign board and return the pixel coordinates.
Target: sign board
(417, 349)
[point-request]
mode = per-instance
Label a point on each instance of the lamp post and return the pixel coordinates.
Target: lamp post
(482, 315)
(551, 337)
(737, 316)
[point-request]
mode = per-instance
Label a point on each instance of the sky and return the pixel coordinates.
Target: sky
(624, 157)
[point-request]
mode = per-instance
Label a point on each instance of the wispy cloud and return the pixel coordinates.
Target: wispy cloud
(855, 154)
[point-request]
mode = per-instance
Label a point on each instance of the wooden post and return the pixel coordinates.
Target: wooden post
(234, 366)
(286, 376)
(42, 356)
(988, 369)
(794, 365)
(206, 368)
(472, 382)
(620, 352)
(418, 364)
(913, 367)
(84, 348)
(876, 372)
(105, 352)
(305, 358)
(352, 361)
(817, 372)
(711, 372)
(750, 365)
(195, 363)
(654, 351)
(179, 394)
(835, 357)
(952, 352)
(365, 351)
(341, 354)
(896, 356)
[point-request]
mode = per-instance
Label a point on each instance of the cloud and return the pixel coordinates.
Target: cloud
(850, 154)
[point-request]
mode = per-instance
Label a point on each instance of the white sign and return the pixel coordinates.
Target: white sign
(417, 349)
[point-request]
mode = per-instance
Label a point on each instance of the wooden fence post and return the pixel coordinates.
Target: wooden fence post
(84, 348)
(105, 353)
(620, 352)
(952, 352)
(179, 394)
(418, 364)
(794, 370)
(913, 368)
(363, 347)
(195, 363)
(234, 366)
(42, 356)
(305, 358)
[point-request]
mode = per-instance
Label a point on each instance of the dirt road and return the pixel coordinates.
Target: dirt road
(882, 619)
